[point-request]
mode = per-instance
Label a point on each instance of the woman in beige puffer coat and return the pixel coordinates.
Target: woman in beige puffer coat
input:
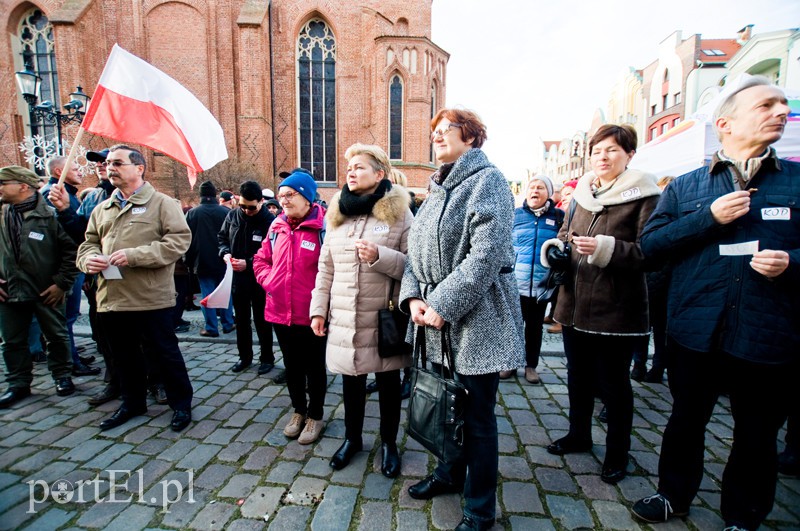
(364, 252)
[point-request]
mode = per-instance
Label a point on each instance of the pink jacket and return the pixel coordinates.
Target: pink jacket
(286, 267)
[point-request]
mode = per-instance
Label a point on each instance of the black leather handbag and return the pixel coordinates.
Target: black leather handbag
(392, 327)
(436, 406)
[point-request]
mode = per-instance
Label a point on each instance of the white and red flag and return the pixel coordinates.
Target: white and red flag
(136, 102)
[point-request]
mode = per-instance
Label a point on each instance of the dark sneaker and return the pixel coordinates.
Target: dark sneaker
(655, 509)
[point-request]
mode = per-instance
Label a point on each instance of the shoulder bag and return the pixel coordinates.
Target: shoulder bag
(392, 326)
(436, 406)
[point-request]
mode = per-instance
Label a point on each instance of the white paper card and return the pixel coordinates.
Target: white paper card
(112, 272)
(739, 249)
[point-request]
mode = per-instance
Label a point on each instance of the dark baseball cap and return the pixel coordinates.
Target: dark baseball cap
(97, 156)
(226, 195)
(285, 174)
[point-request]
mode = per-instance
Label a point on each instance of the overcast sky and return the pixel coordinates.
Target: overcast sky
(539, 69)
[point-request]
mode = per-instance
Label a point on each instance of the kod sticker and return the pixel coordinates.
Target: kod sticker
(36, 236)
(257, 237)
(776, 213)
(308, 245)
(379, 229)
(549, 222)
(630, 194)
(138, 210)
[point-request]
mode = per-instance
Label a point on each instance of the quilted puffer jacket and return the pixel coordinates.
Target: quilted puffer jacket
(529, 234)
(720, 301)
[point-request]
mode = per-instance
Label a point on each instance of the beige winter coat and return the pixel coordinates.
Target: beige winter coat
(349, 293)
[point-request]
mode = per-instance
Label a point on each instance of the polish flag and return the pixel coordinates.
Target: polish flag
(136, 102)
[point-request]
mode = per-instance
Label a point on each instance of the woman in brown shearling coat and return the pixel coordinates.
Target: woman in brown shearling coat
(364, 252)
(602, 306)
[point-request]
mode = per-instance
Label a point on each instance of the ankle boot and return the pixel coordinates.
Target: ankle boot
(345, 453)
(390, 460)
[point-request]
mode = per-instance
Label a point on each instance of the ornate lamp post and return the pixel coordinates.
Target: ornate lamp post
(29, 83)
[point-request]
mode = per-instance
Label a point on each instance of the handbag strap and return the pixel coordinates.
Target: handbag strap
(390, 304)
(421, 352)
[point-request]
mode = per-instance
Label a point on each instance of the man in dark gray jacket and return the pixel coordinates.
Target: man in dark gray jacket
(37, 271)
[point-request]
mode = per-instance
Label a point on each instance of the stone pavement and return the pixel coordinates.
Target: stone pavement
(237, 471)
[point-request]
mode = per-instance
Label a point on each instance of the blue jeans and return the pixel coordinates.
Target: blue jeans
(478, 470)
(208, 285)
(73, 310)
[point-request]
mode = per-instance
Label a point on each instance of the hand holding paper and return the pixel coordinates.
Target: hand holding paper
(770, 263)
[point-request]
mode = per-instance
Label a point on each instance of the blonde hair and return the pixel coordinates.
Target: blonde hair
(377, 157)
(398, 177)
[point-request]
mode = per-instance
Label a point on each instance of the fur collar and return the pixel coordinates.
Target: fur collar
(389, 208)
(631, 185)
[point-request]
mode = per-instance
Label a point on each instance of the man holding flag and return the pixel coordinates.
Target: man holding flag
(133, 240)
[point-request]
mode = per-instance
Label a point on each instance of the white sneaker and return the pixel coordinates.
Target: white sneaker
(295, 426)
(311, 432)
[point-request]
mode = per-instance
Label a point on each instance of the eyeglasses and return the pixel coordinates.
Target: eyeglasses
(443, 132)
(118, 163)
(249, 208)
(104, 164)
(287, 196)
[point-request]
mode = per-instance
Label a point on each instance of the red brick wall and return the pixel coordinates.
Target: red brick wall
(224, 58)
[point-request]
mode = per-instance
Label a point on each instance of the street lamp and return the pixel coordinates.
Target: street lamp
(29, 84)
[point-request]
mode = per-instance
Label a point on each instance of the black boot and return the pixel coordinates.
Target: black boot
(345, 453)
(390, 460)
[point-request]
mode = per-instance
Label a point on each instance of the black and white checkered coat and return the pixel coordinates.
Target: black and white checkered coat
(460, 262)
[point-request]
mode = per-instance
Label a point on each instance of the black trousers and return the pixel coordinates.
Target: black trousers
(142, 339)
(110, 377)
(245, 303)
(304, 359)
(533, 316)
(355, 401)
(760, 397)
(598, 365)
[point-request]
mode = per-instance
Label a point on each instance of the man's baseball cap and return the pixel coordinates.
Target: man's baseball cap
(97, 156)
(285, 174)
(226, 195)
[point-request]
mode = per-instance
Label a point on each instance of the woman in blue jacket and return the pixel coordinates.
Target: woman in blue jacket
(535, 222)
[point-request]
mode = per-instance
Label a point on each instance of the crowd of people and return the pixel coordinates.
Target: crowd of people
(710, 261)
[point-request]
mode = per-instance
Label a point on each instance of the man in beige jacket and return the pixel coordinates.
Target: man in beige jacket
(133, 240)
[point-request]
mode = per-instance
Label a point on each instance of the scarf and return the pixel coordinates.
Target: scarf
(351, 204)
(295, 222)
(538, 212)
(14, 221)
(441, 174)
(744, 170)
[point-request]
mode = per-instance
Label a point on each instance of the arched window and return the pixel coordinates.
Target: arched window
(434, 108)
(396, 118)
(316, 72)
(37, 52)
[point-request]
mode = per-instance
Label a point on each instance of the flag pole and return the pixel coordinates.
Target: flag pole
(71, 156)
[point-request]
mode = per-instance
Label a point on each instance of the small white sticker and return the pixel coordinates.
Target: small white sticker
(550, 222)
(36, 236)
(308, 245)
(380, 228)
(257, 237)
(776, 213)
(138, 210)
(630, 194)
(739, 249)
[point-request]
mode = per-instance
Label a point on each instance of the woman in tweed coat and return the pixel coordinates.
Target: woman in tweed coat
(459, 281)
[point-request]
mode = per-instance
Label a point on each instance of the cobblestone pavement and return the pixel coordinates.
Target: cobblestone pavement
(237, 471)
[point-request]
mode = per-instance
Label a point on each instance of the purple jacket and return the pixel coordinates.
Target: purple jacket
(286, 267)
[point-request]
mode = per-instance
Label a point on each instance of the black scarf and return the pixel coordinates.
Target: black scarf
(441, 174)
(14, 221)
(351, 204)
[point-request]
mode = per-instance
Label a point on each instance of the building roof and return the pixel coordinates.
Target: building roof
(718, 50)
(549, 143)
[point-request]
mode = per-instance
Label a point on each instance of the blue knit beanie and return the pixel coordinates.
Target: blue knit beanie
(303, 183)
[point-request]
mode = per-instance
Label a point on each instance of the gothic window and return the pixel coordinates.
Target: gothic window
(316, 68)
(37, 52)
(434, 109)
(396, 118)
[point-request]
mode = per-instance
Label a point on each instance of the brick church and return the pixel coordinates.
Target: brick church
(293, 82)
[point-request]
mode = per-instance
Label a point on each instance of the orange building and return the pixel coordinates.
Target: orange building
(293, 82)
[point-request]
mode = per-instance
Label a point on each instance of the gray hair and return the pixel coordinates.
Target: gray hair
(727, 105)
(54, 164)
